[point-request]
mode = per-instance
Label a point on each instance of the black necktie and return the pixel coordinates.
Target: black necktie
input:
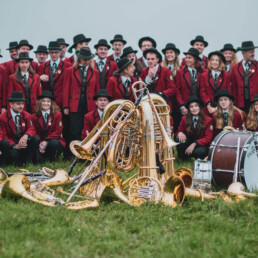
(101, 64)
(83, 70)
(247, 66)
(126, 87)
(225, 116)
(25, 78)
(17, 120)
(193, 73)
(54, 66)
(46, 118)
(117, 60)
(195, 121)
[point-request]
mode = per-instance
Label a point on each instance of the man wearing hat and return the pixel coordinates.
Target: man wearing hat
(118, 44)
(12, 49)
(63, 45)
(144, 44)
(79, 41)
(200, 44)
(92, 118)
(18, 131)
(41, 54)
(105, 67)
(230, 55)
(244, 77)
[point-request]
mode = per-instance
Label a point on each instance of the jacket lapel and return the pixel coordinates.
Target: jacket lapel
(59, 70)
(253, 69)
(11, 123)
(240, 69)
(186, 76)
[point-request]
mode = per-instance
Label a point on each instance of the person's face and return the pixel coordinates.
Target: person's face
(132, 56)
(194, 108)
(24, 65)
(248, 55)
(224, 102)
(152, 59)
(146, 44)
(13, 53)
(102, 52)
(17, 107)
(101, 103)
(23, 49)
(82, 44)
(215, 62)
(118, 46)
(129, 70)
(256, 106)
(228, 54)
(170, 55)
(63, 50)
(199, 45)
(45, 104)
(54, 54)
(41, 57)
(190, 60)
(85, 62)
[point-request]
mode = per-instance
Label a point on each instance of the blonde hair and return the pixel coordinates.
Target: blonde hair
(252, 122)
(221, 64)
(176, 64)
(233, 61)
(123, 72)
(78, 61)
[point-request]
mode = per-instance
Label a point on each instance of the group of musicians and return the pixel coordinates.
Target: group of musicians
(46, 104)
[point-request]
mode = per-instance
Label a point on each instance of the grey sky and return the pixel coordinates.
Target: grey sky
(177, 21)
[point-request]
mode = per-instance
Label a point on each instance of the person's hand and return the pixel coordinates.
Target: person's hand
(184, 111)
(3, 110)
(17, 146)
(181, 137)
(190, 149)
(23, 141)
(211, 109)
(43, 146)
(66, 111)
(44, 78)
(152, 72)
(0, 152)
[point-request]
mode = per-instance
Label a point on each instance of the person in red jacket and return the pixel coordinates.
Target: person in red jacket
(120, 85)
(145, 43)
(118, 44)
(81, 83)
(12, 50)
(105, 67)
(200, 44)
(227, 114)
(252, 117)
(26, 81)
(214, 80)
(229, 53)
(48, 125)
(92, 118)
(18, 132)
(64, 46)
(195, 131)
(244, 77)
(41, 55)
(3, 89)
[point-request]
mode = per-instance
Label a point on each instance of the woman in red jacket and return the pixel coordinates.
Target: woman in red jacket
(47, 122)
(195, 131)
(227, 114)
(252, 117)
(25, 80)
(214, 80)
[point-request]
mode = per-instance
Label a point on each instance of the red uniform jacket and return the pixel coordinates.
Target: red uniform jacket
(58, 82)
(34, 85)
(90, 121)
(8, 126)
(237, 79)
(116, 90)
(3, 89)
(69, 60)
(205, 136)
(183, 85)
(54, 127)
(72, 88)
(207, 89)
(205, 61)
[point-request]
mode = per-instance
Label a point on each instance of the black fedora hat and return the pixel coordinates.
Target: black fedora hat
(154, 44)
(85, 53)
(153, 50)
(122, 64)
(171, 46)
(246, 45)
(223, 93)
(102, 43)
(24, 56)
(118, 37)
(24, 42)
(16, 96)
(193, 52)
(102, 93)
(192, 99)
(46, 94)
(78, 39)
(228, 46)
(12, 45)
(53, 45)
(41, 49)
(199, 38)
(61, 41)
(128, 50)
(217, 53)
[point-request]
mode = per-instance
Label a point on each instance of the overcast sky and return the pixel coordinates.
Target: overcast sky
(176, 21)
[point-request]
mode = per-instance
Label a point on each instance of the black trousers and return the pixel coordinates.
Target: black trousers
(66, 135)
(177, 116)
(4, 148)
(199, 152)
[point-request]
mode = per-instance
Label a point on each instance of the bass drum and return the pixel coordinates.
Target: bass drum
(222, 154)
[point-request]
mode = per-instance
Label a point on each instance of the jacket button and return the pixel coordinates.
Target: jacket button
(76, 98)
(78, 92)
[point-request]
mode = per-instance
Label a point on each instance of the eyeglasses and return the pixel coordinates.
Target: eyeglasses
(54, 53)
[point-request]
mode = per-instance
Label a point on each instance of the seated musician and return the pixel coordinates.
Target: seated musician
(195, 131)
(252, 117)
(227, 114)
(47, 121)
(19, 140)
(92, 118)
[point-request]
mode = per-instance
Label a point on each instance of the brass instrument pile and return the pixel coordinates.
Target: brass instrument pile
(131, 138)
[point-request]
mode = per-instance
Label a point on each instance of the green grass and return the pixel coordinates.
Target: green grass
(210, 229)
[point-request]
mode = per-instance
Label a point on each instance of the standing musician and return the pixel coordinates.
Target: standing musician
(41, 54)
(105, 67)
(118, 44)
(195, 131)
(244, 77)
(144, 44)
(47, 122)
(20, 142)
(25, 80)
(214, 80)
(230, 55)
(3, 89)
(81, 83)
(92, 118)
(252, 117)
(227, 114)
(63, 45)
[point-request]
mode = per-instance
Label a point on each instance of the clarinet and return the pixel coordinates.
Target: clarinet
(72, 166)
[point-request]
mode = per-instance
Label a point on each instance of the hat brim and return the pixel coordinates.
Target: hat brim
(203, 41)
(216, 98)
(101, 45)
(15, 100)
(154, 44)
(246, 48)
(197, 101)
(30, 46)
(147, 51)
(189, 53)
(24, 58)
(85, 57)
(10, 48)
(45, 52)
(70, 49)
(1, 56)
(125, 54)
(54, 48)
(228, 49)
(171, 48)
(123, 67)
(217, 54)
(42, 97)
(102, 96)
(118, 40)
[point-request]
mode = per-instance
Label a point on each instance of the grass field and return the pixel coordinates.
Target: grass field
(210, 229)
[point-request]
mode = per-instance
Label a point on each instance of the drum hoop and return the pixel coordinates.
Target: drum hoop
(242, 156)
